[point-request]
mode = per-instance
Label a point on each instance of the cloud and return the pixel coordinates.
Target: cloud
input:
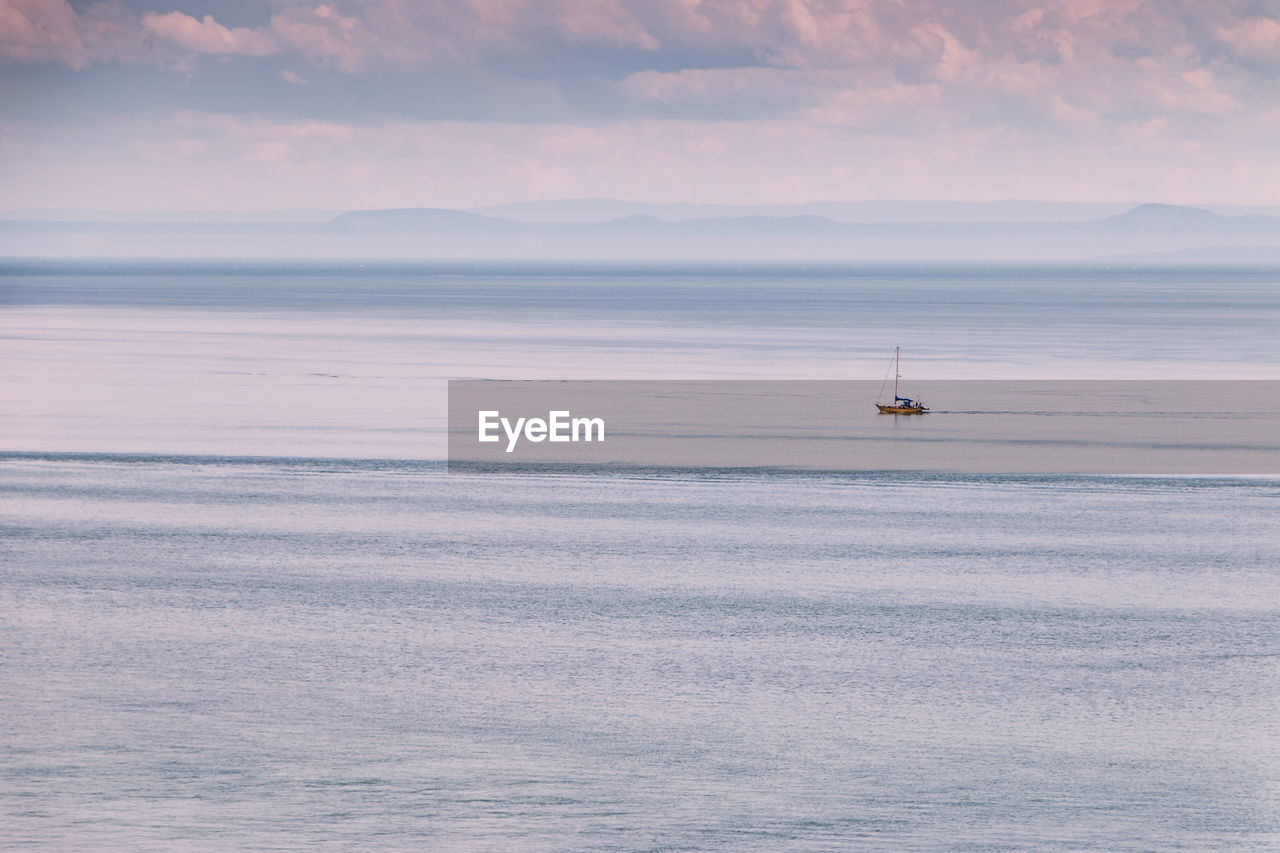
(1041, 82)
(1254, 40)
(395, 34)
(601, 22)
(52, 31)
(323, 35)
(199, 160)
(914, 40)
(207, 35)
(36, 30)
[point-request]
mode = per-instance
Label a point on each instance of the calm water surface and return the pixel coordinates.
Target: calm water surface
(214, 651)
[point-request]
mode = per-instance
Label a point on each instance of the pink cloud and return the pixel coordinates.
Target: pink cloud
(1254, 39)
(323, 35)
(601, 21)
(240, 162)
(403, 35)
(40, 30)
(207, 35)
(711, 83)
(52, 31)
(994, 43)
(899, 68)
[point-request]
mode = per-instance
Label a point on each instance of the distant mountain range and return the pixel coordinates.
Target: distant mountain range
(1145, 219)
(1172, 231)
(604, 209)
(420, 220)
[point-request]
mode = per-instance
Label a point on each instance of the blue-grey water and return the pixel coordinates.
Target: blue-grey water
(242, 606)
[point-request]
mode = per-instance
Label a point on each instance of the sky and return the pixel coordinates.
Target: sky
(278, 104)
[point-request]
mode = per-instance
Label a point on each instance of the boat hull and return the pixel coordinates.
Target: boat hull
(901, 410)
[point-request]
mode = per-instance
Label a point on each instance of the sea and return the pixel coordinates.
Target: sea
(245, 606)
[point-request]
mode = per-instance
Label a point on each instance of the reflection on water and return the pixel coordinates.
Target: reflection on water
(209, 651)
(338, 361)
(239, 654)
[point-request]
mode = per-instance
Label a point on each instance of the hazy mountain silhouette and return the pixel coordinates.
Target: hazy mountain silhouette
(605, 209)
(1177, 219)
(412, 219)
(446, 233)
(864, 212)
(1145, 219)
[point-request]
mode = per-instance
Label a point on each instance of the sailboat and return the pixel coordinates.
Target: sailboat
(900, 405)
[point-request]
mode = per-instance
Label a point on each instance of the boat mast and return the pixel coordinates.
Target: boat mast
(896, 374)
